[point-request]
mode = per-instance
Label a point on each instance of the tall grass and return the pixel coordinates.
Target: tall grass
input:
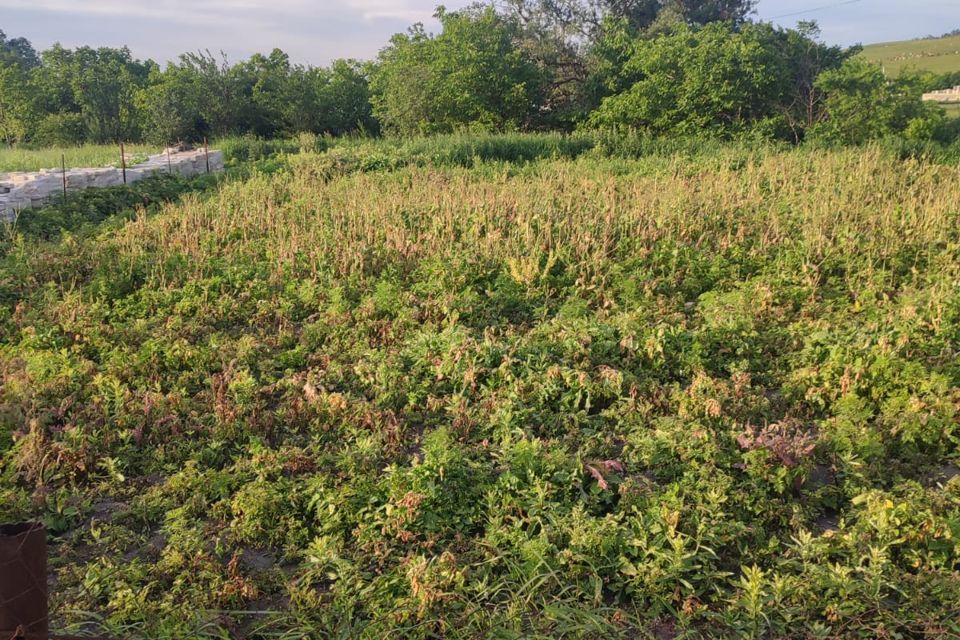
(850, 207)
(28, 159)
(246, 148)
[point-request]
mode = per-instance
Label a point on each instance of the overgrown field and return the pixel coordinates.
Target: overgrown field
(938, 55)
(688, 394)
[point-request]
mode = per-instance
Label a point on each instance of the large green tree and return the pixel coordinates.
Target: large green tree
(587, 19)
(582, 45)
(170, 105)
(862, 104)
(17, 51)
(223, 101)
(344, 99)
(266, 95)
(800, 102)
(99, 85)
(18, 108)
(472, 73)
(721, 80)
(16, 102)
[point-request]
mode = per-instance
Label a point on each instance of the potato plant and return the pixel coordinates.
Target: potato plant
(675, 394)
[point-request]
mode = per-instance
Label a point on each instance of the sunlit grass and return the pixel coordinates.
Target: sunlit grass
(953, 110)
(92, 155)
(939, 55)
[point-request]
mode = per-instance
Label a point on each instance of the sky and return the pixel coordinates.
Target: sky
(318, 31)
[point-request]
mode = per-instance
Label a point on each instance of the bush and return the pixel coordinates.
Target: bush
(863, 105)
(60, 130)
(248, 148)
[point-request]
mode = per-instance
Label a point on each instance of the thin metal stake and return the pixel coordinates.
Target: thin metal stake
(123, 163)
(63, 173)
(206, 153)
(169, 166)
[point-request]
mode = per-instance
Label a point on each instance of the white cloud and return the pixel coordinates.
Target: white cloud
(194, 11)
(314, 31)
(207, 12)
(409, 10)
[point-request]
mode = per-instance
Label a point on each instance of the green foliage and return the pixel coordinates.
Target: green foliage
(93, 206)
(17, 51)
(862, 105)
(471, 74)
(17, 59)
(718, 81)
(170, 106)
(576, 17)
(689, 81)
(345, 100)
(15, 102)
(99, 95)
(35, 158)
(242, 149)
(668, 68)
(479, 386)
(926, 81)
(262, 96)
(99, 85)
(59, 130)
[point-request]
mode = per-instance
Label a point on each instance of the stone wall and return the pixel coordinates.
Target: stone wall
(944, 95)
(20, 190)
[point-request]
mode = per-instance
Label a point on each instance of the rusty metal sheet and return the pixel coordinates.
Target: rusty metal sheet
(23, 582)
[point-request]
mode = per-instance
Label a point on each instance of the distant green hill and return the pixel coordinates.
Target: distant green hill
(939, 55)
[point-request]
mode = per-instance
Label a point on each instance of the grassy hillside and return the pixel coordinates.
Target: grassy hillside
(509, 387)
(939, 55)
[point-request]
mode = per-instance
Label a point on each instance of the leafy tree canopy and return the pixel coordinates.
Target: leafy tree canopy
(18, 51)
(719, 79)
(472, 73)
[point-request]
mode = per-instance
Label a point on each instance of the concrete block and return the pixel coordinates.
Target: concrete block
(23, 190)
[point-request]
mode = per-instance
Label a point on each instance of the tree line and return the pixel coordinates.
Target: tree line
(669, 67)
